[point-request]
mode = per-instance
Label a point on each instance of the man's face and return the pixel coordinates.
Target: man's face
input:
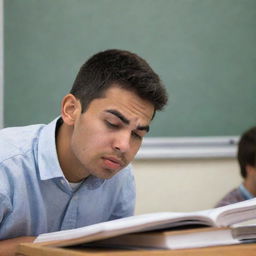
(107, 136)
(252, 174)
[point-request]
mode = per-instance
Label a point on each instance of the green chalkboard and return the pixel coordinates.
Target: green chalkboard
(204, 51)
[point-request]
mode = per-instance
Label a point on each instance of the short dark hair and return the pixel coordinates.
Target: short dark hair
(123, 68)
(247, 150)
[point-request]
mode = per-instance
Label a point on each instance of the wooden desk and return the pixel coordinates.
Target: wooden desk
(233, 250)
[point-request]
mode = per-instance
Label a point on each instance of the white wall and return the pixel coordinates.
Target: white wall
(183, 184)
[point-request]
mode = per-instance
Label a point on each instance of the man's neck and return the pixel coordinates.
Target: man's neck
(250, 186)
(70, 166)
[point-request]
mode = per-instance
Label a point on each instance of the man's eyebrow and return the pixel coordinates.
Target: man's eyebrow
(119, 115)
(143, 128)
(125, 120)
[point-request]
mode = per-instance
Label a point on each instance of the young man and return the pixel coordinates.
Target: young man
(247, 161)
(75, 171)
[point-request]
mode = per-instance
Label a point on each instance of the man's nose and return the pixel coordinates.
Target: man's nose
(122, 142)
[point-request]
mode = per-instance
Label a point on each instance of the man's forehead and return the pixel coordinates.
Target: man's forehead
(125, 101)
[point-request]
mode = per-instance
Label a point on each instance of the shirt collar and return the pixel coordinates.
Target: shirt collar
(92, 182)
(48, 162)
(246, 194)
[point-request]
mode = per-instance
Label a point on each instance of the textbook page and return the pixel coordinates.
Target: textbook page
(112, 228)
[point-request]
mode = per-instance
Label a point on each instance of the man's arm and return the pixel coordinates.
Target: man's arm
(8, 247)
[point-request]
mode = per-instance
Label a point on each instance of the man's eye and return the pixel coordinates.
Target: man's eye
(111, 125)
(136, 135)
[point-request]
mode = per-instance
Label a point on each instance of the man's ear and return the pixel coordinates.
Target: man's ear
(70, 109)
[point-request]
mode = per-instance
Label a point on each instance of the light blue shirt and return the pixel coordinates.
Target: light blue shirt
(36, 198)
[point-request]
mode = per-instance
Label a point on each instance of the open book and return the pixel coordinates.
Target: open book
(219, 217)
(185, 238)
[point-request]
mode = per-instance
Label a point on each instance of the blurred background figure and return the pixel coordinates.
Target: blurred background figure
(247, 160)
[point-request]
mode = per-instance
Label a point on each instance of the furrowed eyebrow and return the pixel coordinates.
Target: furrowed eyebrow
(143, 128)
(119, 115)
(125, 120)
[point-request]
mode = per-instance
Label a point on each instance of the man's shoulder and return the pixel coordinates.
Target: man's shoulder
(234, 193)
(231, 197)
(17, 140)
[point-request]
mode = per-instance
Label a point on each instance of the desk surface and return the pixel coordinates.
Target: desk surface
(233, 250)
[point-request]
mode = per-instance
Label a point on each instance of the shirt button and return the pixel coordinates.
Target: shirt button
(62, 182)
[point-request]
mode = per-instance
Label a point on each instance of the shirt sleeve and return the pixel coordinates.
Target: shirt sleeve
(125, 205)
